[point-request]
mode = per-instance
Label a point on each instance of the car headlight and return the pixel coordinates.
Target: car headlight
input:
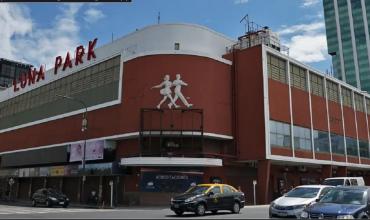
(53, 198)
(304, 214)
(190, 199)
(272, 205)
(345, 217)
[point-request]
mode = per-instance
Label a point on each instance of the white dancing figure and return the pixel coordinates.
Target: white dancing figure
(178, 83)
(166, 92)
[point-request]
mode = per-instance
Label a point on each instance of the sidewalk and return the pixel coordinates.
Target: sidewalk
(26, 203)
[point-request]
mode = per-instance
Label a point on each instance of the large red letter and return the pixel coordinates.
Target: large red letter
(23, 79)
(40, 74)
(31, 76)
(67, 62)
(80, 51)
(15, 85)
(90, 52)
(58, 63)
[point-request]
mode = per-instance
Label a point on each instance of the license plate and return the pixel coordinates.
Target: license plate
(176, 206)
(282, 214)
(61, 203)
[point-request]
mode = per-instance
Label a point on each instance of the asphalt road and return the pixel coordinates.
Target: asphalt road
(9, 212)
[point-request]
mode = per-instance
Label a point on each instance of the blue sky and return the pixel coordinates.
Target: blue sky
(37, 32)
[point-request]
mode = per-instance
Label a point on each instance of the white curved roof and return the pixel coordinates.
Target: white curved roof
(154, 39)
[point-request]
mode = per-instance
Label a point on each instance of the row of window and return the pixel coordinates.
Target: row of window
(277, 70)
(280, 136)
(92, 77)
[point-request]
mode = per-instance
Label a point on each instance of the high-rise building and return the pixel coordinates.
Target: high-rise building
(347, 32)
(10, 70)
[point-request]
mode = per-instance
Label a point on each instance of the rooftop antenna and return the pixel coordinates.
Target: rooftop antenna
(159, 17)
(112, 36)
(246, 24)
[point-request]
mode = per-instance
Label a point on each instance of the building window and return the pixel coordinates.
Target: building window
(279, 134)
(302, 138)
(333, 92)
(276, 68)
(298, 77)
(337, 144)
(351, 144)
(321, 141)
(364, 149)
(347, 97)
(317, 85)
(359, 103)
(177, 46)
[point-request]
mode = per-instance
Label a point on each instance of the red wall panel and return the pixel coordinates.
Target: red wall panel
(249, 104)
(209, 89)
(319, 115)
(361, 125)
(349, 122)
(279, 101)
(335, 118)
(301, 108)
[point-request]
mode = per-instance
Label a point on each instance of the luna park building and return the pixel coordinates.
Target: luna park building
(173, 105)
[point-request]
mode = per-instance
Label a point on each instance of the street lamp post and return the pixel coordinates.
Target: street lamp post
(83, 129)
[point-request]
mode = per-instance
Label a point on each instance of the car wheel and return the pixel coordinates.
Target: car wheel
(48, 203)
(214, 212)
(200, 210)
(236, 208)
(34, 203)
(179, 212)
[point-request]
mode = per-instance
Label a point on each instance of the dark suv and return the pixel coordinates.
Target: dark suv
(208, 197)
(49, 197)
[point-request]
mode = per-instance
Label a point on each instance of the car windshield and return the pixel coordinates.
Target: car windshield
(54, 192)
(345, 196)
(303, 192)
(197, 189)
(333, 182)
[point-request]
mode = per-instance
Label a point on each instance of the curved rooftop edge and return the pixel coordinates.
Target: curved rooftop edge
(192, 39)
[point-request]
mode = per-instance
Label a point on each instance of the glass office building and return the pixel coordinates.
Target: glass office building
(347, 32)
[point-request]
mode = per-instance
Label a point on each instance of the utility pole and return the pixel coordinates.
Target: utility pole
(159, 18)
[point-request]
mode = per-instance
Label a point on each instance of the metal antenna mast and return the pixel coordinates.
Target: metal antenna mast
(246, 19)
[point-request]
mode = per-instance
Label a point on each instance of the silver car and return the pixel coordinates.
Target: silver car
(293, 202)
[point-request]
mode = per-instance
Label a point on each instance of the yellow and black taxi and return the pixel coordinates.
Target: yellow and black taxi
(208, 197)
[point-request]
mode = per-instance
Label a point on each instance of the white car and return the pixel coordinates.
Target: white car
(293, 202)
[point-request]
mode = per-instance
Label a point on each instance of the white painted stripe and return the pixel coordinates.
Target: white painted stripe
(343, 126)
(290, 109)
(328, 117)
(129, 135)
(316, 161)
(310, 106)
(266, 100)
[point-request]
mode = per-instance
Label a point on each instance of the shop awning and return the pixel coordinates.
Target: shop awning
(171, 161)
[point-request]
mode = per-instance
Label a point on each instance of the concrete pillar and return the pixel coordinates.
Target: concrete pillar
(45, 182)
(326, 171)
(342, 171)
(30, 189)
(100, 192)
(263, 179)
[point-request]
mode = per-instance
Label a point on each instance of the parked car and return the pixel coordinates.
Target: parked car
(208, 197)
(346, 202)
(344, 181)
(49, 197)
(293, 203)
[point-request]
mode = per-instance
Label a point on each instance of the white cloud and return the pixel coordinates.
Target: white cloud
(306, 42)
(22, 40)
(308, 48)
(307, 28)
(309, 3)
(237, 2)
(92, 15)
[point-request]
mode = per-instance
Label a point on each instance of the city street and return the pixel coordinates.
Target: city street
(7, 212)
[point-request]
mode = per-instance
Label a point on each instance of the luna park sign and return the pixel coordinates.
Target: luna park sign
(33, 76)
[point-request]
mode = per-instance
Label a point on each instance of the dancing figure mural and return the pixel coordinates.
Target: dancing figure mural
(178, 83)
(165, 92)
